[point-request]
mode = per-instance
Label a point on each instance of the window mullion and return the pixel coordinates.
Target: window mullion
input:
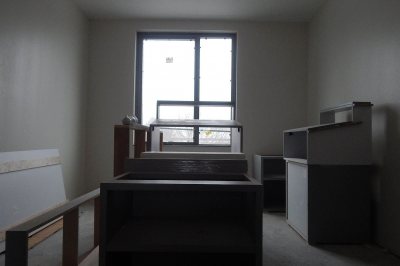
(139, 76)
(233, 74)
(196, 86)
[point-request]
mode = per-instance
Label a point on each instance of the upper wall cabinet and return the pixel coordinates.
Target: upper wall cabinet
(342, 138)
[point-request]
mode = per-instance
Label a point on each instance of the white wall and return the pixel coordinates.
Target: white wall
(271, 82)
(43, 68)
(355, 55)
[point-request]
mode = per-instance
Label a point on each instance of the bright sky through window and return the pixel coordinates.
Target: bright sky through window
(168, 74)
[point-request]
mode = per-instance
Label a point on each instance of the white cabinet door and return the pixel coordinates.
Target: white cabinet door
(297, 197)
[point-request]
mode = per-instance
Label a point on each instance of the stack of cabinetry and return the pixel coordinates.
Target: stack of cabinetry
(270, 171)
(182, 212)
(328, 197)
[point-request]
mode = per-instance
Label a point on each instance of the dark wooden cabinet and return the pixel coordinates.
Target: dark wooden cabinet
(156, 216)
(270, 170)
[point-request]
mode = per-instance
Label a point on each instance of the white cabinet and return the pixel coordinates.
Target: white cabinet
(327, 172)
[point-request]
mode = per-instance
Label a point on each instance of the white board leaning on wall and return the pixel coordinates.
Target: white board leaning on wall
(31, 182)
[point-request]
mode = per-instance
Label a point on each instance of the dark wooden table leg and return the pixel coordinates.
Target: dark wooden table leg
(70, 238)
(121, 148)
(16, 248)
(140, 142)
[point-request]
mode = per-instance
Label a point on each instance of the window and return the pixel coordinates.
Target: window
(195, 67)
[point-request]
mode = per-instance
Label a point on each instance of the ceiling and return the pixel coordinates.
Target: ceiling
(249, 10)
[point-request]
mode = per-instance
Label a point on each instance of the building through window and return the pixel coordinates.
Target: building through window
(195, 67)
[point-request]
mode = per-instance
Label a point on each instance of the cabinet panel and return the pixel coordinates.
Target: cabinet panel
(297, 193)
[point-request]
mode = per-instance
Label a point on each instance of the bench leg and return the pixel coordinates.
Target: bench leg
(16, 248)
(70, 238)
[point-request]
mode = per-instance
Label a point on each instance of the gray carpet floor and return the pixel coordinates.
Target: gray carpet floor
(282, 246)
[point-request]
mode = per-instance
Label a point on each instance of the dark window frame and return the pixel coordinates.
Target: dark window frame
(196, 36)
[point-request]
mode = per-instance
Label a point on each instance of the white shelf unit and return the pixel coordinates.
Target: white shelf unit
(333, 142)
(327, 176)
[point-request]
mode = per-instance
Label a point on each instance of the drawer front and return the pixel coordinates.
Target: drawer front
(297, 197)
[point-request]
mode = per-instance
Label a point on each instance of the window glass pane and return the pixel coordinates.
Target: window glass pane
(177, 134)
(215, 69)
(215, 136)
(168, 74)
(176, 112)
(215, 113)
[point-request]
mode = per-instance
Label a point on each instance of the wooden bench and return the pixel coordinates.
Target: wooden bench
(17, 237)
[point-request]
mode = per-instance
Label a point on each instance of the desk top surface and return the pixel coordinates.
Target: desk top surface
(323, 126)
(133, 127)
(195, 122)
